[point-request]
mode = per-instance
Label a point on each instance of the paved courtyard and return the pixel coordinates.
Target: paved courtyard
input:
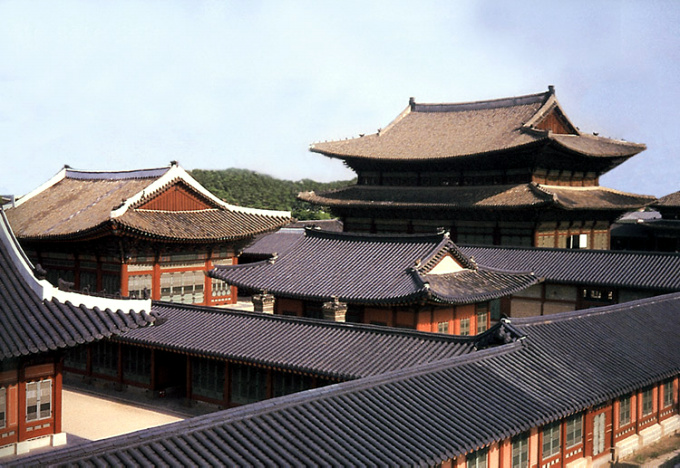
(93, 417)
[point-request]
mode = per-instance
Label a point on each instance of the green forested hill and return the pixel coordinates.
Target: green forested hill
(248, 188)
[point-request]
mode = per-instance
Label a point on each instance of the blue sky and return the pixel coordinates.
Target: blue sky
(217, 84)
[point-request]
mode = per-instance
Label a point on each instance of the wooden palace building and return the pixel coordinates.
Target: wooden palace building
(38, 323)
(513, 171)
(549, 394)
(150, 231)
(417, 281)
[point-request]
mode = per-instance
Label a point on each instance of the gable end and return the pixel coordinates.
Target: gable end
(556, 122)
(177, 197)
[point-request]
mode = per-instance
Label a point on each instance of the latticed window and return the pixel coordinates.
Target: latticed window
(137, 364)
(286, 383)
(574, 430)
(76, 358)
(520, 451)
(137, 284)
(207, 378)
(624, 411)
(443, 327)
(647, 402)
(477, 459)
(465, 326)
(38, 400)
(551, 439)
(248, 384)
(482, 317)
(105, 358)
(667, 393)
(185, 287)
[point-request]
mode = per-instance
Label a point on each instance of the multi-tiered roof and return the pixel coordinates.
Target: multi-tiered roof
(512, 153)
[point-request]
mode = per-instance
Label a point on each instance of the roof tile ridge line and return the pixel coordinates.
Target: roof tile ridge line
(563, 250)
(539, 189)
(368, 236)
(511, 100)
(446, 245)
(71, 171)
(264, 407)
(47, 292)
(601, 138)
(595, 311)
(58, 177)
(176, 172)
(383, 378)
(502, 270)
(603, 188)
(548, 106)
(402, 114)
(398, 119)
(378, 329)
(351, 386)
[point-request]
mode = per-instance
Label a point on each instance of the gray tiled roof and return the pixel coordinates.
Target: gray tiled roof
(486, 197)
(438, 131)
(336, 350)
(430, 413)
(372, 269)
(643, 270)
(34, 318)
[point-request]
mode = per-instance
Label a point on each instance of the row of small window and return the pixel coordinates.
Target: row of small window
(184, 287)
(438, 179)
(520, 444)
(551, 433)
(465, 323)
(38, 402)
(248, 383)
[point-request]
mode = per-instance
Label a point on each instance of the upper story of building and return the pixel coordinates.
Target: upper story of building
(512, 140)
(512, 171)
(127, 231)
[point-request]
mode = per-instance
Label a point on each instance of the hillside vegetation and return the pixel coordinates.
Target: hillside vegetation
(254, 190)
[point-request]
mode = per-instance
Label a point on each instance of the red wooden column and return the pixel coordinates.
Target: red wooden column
(156, 280)
(57, 397)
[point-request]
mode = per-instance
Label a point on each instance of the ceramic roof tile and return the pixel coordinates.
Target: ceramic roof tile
(438, 131)
(369, 269)
(638, 270)
(337, 350)
(35, 317)
(486, 197)
(81, 204)
(390, 419)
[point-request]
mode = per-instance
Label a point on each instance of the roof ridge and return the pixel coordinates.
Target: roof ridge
(323, 233)
(381, 330)
(175, 173)
(573, 251)
(481, 104)
(591, 312)
(116, 175)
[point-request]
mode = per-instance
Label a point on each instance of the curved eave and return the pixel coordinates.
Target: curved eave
(406, 299)
(312, 197)
(95, 232)
(620, 201)
(147, 235)
(523, 281)
(349, 158)
(597, 147)
(239, 359)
